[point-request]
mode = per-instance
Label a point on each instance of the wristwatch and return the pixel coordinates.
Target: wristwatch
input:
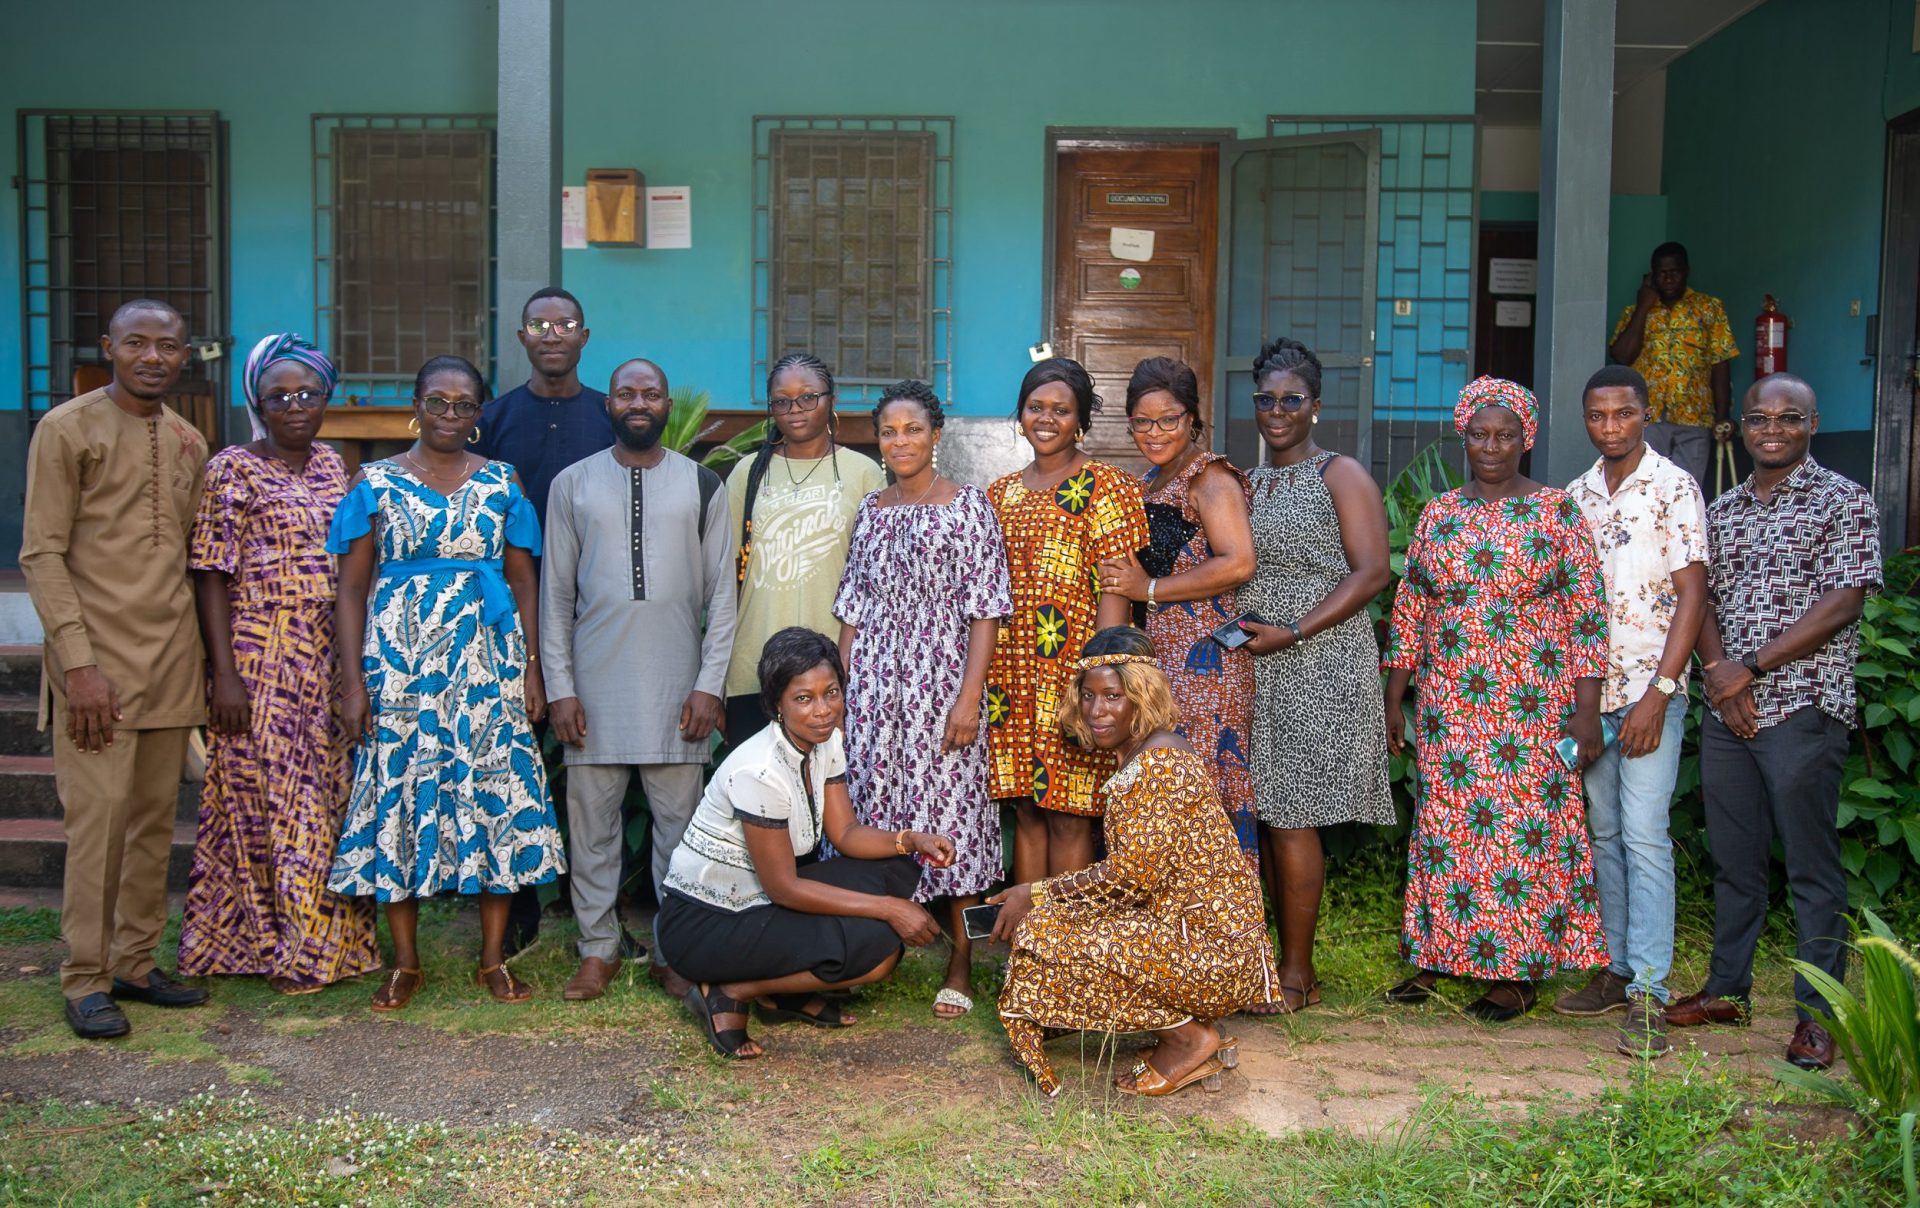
(1151, 584)
(1668, 687)
(1751, 661)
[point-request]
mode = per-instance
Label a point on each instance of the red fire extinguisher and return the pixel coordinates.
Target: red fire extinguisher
(1770, 340)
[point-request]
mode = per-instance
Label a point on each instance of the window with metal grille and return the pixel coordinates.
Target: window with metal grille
(853, 237)
(403, 245)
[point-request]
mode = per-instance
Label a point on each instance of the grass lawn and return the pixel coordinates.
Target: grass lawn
(264, 1099)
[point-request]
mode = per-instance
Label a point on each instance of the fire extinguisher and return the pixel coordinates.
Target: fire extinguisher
(1770, 340)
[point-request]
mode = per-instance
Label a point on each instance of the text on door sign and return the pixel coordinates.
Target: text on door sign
(1138, 199)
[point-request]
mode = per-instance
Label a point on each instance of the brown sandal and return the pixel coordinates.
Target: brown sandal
(391, 997)
(1152, 1084)
(293, 987)
(506, 987)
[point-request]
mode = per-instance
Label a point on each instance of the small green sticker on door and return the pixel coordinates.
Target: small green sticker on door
(1129, 278)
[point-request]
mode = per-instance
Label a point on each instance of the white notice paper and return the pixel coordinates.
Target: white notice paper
(573, 216)
(669, 216)
(1512, 276)
(1130, 244)
(1512, 314)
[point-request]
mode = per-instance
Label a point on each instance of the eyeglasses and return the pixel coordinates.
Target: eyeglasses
(1286, 402)
(465, 408)
(540, 327)
(287, 399)
(1760, 423)
(799, 402)
(1144, 424)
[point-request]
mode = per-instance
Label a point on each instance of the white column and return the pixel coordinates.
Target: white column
(527, 177)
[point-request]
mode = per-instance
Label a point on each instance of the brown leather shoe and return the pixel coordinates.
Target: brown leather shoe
(1702, 1007)
(590, 980)
(1811, 1048)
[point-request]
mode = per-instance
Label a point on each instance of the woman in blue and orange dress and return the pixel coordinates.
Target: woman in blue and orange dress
(1502, 614)
(1061, 516)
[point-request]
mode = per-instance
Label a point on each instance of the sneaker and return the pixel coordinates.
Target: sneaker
(1605, 991)
(1644, 1035)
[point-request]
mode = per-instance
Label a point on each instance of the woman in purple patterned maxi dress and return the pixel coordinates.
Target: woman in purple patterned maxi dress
(919, 606)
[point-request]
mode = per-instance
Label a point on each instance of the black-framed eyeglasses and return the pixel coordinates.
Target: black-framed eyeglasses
(464, 408)
(1286, 402)
(540, 327)
(1760, 423)
(1144, 424)
(284, 400)
(799, 402)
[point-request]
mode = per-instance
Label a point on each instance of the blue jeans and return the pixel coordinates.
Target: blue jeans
(1627, 803)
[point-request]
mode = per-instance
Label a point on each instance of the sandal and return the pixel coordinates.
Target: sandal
(1228, 1051)
(391, 996)
(1152, 1084)
(1309, 997)
(791, 1008)
(505, 988)
(950, 997)
(293, 987)
(709, 1002)
(1411, 992)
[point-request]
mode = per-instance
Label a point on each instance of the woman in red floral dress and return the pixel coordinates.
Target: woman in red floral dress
(1502, 614)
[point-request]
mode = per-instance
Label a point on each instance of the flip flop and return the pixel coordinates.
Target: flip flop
(705, 1004)
(950, 997)
(790, 1008)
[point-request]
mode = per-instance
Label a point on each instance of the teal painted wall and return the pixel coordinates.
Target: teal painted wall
(674, 92)
(1774, 169)
(1636, 224)
(267, 66)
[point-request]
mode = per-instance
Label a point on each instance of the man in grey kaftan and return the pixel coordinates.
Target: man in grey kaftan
(637, 619)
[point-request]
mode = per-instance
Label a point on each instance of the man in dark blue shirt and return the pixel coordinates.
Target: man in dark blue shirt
(540, 429)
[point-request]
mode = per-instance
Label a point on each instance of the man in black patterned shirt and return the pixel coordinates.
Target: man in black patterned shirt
(1793, 553)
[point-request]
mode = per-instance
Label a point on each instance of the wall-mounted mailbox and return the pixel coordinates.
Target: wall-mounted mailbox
(614, 216)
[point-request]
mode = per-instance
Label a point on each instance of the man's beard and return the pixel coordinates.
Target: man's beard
(640, 440)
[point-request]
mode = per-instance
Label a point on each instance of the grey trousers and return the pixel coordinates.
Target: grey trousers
(597, 837)
(1686, 445)
(1784, 781)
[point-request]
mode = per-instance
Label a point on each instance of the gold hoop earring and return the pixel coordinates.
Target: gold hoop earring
(413, 424)
(473, 437)
(1080, 437)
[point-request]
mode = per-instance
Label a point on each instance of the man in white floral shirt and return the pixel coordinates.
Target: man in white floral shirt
(1649, 524)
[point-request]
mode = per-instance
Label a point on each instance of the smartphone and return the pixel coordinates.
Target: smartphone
(979, 921)
(1231, 636)
(1570, 750)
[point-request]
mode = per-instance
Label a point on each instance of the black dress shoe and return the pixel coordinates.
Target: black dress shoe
(96, 1017)
(160, 991)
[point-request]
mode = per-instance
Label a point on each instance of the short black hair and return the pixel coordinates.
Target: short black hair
(451, 364)
(553, 291)
(1617, 375)
(653, 365)
(1119, 639)
(1175, 377)
(1670, 249)
(912, 390)
(140, 306)
(790, 654)
(1288, 356)
(1069, 371)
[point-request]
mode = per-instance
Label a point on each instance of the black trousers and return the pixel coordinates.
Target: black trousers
(706, 944)
(745, 718)
(1784, 781)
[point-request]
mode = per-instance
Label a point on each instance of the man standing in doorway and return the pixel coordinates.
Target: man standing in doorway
(1649, 522)
(1795, 549)
(540, 428)
(636, 626)
(1679, 340)
(113, 478)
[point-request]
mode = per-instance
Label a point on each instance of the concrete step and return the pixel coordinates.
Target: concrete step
(19, 726)
(27, 790)
(20, 669)
(33, 854)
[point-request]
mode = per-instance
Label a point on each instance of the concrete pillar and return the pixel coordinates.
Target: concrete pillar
(527, 181)
(1576, 171)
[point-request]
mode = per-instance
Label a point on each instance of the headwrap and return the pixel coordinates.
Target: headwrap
(286, 346)
(1497, 392)
(1114, 660)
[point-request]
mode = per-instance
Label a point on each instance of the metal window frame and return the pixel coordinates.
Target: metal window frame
(359, 387)
(938, 306)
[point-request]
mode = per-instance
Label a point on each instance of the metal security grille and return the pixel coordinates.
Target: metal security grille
(403, 239)
(853, 236)
(118, 206)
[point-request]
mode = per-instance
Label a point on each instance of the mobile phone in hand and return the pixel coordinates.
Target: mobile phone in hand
(1231, 636)
(1570, 750)
(979, 921)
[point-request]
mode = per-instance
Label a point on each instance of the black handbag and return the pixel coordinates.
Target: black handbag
(1168, 532)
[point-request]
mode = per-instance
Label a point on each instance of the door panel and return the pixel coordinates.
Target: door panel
(1300, 222)
(1110, 313)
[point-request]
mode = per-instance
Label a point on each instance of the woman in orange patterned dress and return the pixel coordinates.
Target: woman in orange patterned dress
(1060, 515)
(1165, 935)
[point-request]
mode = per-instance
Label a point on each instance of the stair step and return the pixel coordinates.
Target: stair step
(20, 669)
(19, 726)
(27, 790)
(33, 853)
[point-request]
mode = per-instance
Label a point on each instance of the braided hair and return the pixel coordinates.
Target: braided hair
(913, 390)
(763, 457)
(1289, 356)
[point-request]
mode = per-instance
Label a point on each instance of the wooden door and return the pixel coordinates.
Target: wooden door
(1504, 348)
(1109, 313)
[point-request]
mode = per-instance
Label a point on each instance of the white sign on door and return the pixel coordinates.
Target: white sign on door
(1505, 276)
(1507, 313)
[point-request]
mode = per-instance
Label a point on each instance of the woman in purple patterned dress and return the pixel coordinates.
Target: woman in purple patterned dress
(257, 900)
(919, 606)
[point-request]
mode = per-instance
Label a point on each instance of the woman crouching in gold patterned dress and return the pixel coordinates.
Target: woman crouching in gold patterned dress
(1165, 935)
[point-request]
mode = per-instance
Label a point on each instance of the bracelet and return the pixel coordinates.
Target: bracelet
(900, 842)
(532, 657)
(1293, 627)
(1038, 890)
(1151, 584)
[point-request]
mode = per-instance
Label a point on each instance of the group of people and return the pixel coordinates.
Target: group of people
(1171, 683)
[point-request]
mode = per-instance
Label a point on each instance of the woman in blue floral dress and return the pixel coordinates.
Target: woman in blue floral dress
(440, 691)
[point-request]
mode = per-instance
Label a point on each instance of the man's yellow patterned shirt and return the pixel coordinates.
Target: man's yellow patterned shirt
(1683, 344)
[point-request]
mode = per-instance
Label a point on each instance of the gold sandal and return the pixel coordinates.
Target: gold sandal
(389, 997)
(1152, 1084)
(515, 990)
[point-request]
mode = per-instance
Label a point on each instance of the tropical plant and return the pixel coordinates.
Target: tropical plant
(1878, 1032)
(1880, 801)
(689, 426)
